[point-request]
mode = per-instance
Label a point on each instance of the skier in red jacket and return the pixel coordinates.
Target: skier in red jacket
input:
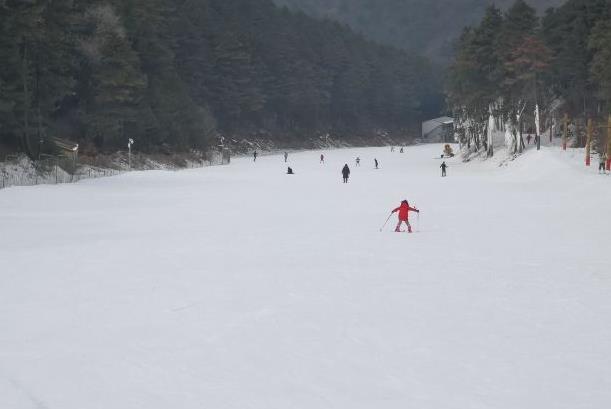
(404, 210)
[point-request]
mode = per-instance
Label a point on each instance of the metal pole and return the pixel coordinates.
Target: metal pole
(130, 142)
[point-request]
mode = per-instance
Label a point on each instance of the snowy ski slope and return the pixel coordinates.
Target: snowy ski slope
(242, 287)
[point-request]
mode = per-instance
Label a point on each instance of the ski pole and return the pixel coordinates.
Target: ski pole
(386, 222)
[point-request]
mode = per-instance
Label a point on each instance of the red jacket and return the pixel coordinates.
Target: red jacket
(404, 210)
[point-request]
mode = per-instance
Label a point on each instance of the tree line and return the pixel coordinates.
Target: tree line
(513, 62)
(176, 74)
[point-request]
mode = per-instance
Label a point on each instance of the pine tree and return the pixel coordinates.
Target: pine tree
(600, 45)
(112, 84)
(38, 67)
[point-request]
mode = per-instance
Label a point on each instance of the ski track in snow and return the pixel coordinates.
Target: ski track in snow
(244, 287)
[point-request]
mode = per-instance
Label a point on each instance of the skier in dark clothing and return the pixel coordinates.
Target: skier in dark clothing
(376, 163)
(404, 210)
(290, 171)
(346, 173)
(443, 169)
(602, 162)
(255, 156)
(286, 157)
(322, 158)
(358, 161)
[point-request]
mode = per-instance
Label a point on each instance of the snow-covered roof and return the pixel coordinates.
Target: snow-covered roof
(431, 124)
(65, 144)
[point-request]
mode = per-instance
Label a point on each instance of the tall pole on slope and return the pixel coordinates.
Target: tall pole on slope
(538, 126)
(565, 134)
(129, 153)
(590, 131)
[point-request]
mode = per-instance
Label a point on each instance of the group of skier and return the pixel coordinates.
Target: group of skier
(346, 169)
(404, 208)
(444, 167)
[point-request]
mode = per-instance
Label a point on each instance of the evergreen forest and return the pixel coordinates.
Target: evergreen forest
(178, 74)
(514, 63)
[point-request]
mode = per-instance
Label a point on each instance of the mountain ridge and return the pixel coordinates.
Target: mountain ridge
(423, 26)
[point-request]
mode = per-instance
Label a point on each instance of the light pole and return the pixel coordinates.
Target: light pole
(129, 153)
(75, 157)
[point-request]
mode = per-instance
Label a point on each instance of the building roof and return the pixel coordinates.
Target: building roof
(431, 124)
(65, 144)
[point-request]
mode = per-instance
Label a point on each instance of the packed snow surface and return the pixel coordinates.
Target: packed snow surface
(243, 287)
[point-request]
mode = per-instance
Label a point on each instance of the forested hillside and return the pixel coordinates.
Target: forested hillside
(175, 74)
(424, 26)
(513, 62)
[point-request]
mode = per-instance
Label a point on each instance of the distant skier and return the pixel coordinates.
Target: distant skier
(401, 151)
(376, 163)
(602, 162)
(255, 156)
(404, 210)
(346, 173)
(529, 138)
(443, 169)
(358, 161)
(286, 157)
(322, 158)
(290, 171)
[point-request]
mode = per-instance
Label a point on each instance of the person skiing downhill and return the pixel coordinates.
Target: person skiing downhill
(358, 161)
(376, 163)
(443, 169)
(322, 158)
(255, 156)
(404, 210)
(346, 173)
(286, 157)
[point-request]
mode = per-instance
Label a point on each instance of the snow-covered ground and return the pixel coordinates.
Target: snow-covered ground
(242, 287)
